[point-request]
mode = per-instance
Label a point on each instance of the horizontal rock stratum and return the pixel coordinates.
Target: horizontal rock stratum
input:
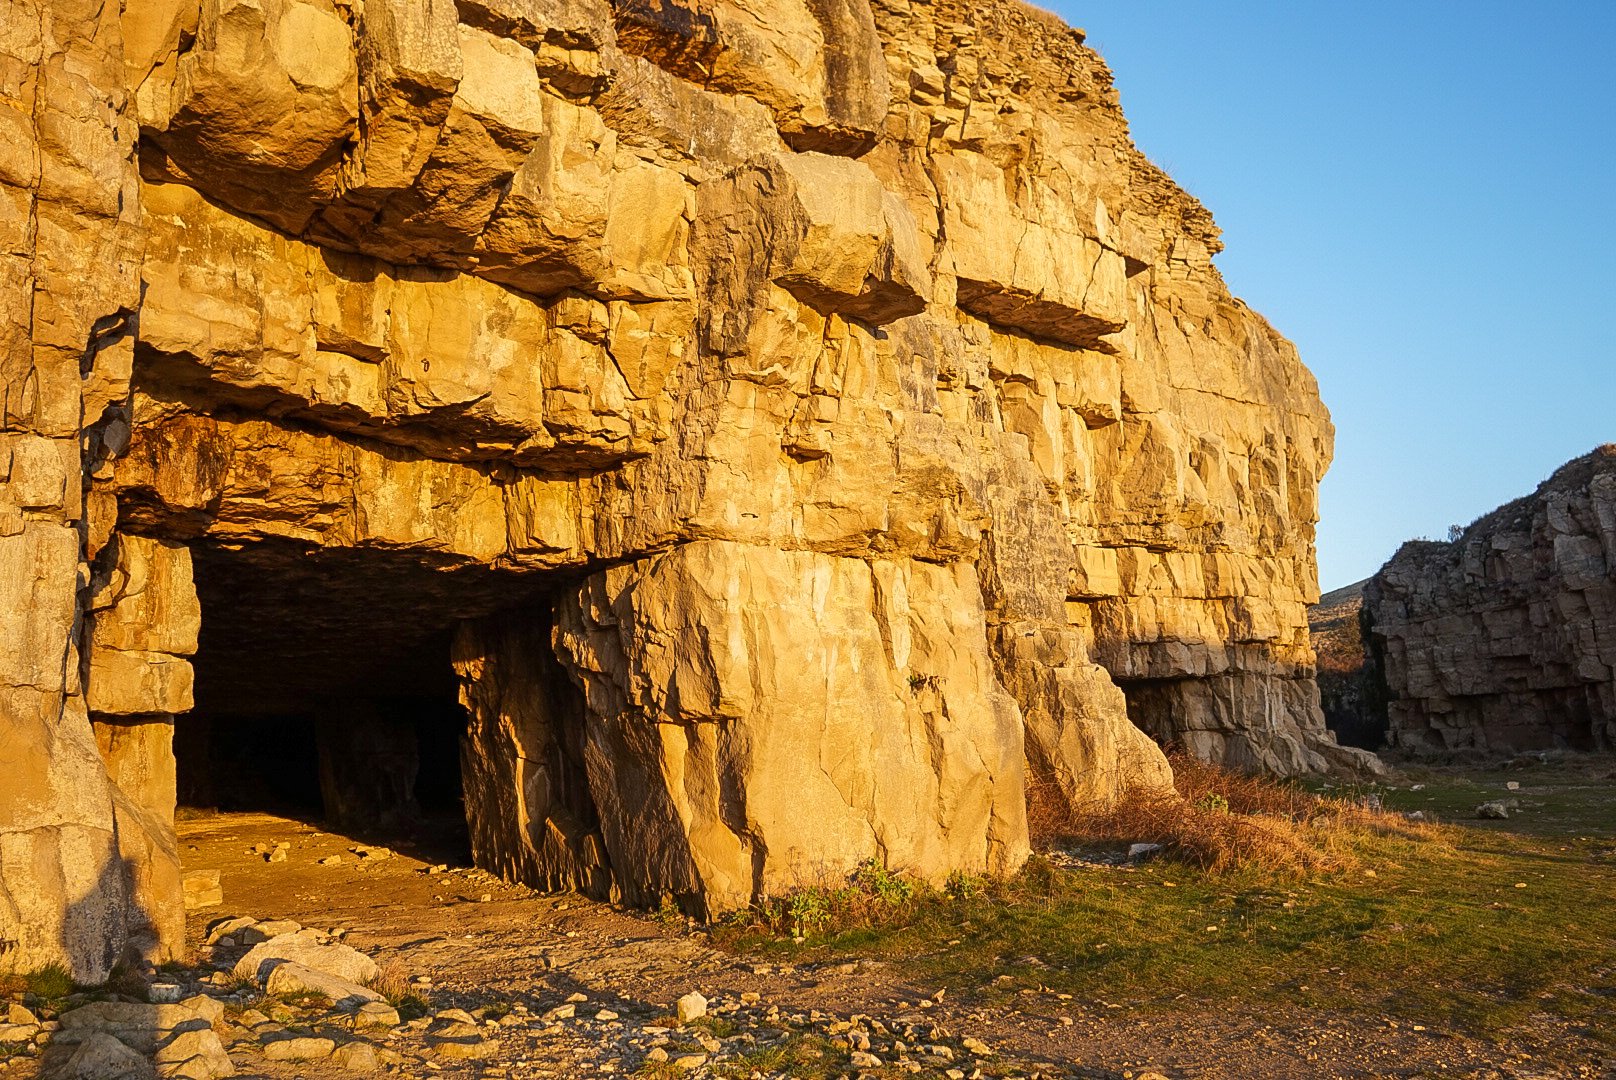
(1505, 637)
(795, 429)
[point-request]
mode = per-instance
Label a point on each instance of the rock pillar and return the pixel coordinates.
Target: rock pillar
(760, 720)
(143, 623)
(528, 805)
(69, 281)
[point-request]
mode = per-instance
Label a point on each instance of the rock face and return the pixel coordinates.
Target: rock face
(1505, 638)
(798, 425)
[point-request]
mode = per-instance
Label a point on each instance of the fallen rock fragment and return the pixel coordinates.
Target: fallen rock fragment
(691, 1007)
(210, 1009)
(455, 1033)
(306, 947)
(139, 1025)
(100, 1056)
(376, 1014)
(165, 993)
(230, 928)
(356, 1057)
(194, 1055)
(288, 1046)
(260, 932)
(292, 978)
(202, 889)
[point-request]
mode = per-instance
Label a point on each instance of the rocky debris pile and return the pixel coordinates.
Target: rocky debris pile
(270, 989)
(731, 1031)
(236, 1016)
(1500, 639)
(1080, 858)
(22, 1029)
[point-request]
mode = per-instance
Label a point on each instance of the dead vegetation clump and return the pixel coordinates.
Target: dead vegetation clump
(393, 984)
(1223, 821)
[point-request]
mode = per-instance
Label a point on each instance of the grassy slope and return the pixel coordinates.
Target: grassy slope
(1479, 930)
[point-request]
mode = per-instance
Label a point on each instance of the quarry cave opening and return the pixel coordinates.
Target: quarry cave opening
(325, 691)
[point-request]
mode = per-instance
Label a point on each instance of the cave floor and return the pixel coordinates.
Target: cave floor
(510, 955)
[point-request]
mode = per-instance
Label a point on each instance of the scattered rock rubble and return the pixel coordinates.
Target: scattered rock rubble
(268, 995)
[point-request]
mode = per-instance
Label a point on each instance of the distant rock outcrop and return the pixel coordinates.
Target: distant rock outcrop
(1505, 637)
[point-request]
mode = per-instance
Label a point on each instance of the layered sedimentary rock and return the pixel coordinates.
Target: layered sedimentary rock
(799, 426)
(1505, 637)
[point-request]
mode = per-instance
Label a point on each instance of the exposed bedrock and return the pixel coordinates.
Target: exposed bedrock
(765, 439)
(1505, 637)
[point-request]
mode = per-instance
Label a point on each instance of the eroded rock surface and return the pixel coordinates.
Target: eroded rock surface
(1505, 637)
(798, 423)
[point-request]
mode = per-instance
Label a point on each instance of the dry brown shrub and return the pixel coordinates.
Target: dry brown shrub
(1047, 816)
(392, 982)
(1223, 821)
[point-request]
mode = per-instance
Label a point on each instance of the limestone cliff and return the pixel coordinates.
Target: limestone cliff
(794, 421)
(1505, 637)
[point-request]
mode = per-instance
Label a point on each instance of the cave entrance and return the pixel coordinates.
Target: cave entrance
(324, 689)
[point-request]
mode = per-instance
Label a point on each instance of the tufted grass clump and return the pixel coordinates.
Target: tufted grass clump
(393, 984)
(871, 895)
(50, 982)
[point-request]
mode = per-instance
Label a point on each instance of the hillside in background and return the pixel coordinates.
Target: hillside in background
(1345, 686)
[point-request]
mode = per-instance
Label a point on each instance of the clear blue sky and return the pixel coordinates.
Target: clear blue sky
(1421, 196)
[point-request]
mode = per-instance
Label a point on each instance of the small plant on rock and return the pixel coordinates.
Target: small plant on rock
(876, 880)
(668, 912)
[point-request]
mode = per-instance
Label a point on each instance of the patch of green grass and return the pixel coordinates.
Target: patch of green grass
(812, 1056)
(410, 1006)
(1562, 797)
(798, 1055)
(718, 1027)
(51, 982)
(795, 1056)
(1463, 929)
(669, 914)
